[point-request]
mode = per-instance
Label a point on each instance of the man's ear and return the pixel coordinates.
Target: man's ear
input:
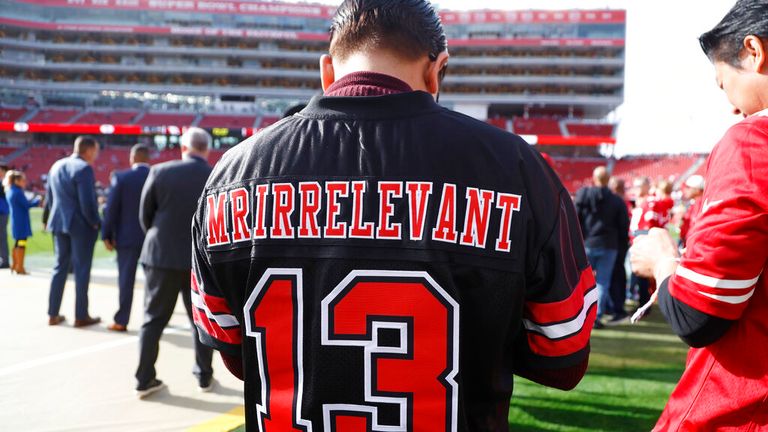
(327, 73)
(756, 53)
(432, 73)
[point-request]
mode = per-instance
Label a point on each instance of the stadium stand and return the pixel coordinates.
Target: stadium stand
(5, 151)
(536, 126)
(589, 129)
(12, 114)
(499, 122)
(166, 119)
(54, 115)
(576, 173)
(108, 117)
(267, 121)
(655, 167)
(226, 121)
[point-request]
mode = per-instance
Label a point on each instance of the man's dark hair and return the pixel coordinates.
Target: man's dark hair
(140, 153)
(83, 143)
(725, 42)
(410, 28)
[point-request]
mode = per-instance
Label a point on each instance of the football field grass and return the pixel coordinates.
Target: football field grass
(41, 242)
(632, 371)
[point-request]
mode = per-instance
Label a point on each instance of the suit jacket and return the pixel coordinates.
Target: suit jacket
(121, 215)
(168, 203)
(71, 195)
(21, 228)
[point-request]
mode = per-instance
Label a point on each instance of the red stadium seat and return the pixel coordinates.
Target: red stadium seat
(54, 115)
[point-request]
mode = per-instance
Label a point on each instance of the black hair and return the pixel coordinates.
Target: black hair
(724, 43)
(84, 142)
(140, 152)
(410, 28)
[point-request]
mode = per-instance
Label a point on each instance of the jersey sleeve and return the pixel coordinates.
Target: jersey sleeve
(218, 327)
(726, 248)
(561, 298)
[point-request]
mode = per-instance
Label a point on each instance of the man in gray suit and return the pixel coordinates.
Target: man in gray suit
(168, 203)
(74, 222)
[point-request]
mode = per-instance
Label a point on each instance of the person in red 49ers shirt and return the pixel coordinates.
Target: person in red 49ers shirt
(716, 297)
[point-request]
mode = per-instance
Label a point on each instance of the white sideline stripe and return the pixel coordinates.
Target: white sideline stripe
(729, 299)
(20, 367)
(714, 282)
(557, 331)
(221, 320)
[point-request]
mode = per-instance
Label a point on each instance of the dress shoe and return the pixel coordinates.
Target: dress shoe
(205, 384)
(87, 321)
(117, 327)
(56, 320)
(144, 390)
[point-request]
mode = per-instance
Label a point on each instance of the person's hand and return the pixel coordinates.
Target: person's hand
(651, 255)
(109, 245)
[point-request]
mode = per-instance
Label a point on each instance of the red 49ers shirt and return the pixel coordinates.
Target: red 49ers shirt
(725, 385)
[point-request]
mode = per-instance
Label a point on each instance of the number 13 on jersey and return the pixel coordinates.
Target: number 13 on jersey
(417, 375)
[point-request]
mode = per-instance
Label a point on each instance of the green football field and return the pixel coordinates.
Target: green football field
(41, 242)
(633, 369)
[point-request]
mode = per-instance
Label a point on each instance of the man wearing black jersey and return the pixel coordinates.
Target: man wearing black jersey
(377, 262)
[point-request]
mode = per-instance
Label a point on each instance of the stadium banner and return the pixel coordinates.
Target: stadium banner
(326, 12)
(292, 35)
(535, 17)
(185, 31)
(221, 7)
(108, 129)
(65, 128)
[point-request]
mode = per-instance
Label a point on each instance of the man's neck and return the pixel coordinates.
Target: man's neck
(367, 84)
(384, 64)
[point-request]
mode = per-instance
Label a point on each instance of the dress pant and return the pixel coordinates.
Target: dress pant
(127, 261)
(162, 289)
(602, 261)
(619, 283)
(4, 263)
(76, 250)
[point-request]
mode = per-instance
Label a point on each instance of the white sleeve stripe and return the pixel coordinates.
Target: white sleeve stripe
(714, 282)
(222, 320)
(568, 328)
(729, 299)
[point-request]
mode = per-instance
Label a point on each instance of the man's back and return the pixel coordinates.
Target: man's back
(72, 195)
(168, 201)
(401, 245)
(602, 215)
(121, 218)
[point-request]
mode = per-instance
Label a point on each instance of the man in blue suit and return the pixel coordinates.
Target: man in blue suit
(122, 231)
(74, 222)
(4, 214)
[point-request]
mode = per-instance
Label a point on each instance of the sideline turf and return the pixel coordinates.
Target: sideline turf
(41, 242)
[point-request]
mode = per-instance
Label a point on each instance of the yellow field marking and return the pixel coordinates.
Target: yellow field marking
(223, 423)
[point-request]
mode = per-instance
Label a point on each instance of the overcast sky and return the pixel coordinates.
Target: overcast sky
(671, 104)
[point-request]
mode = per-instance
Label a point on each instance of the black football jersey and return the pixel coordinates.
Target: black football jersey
(385, 264)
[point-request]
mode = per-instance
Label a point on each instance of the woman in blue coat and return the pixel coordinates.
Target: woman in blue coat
(21, 228)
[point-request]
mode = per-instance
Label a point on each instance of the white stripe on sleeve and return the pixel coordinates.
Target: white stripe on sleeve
(714, 282)
(561, 330)
(222, 319)
(734, 300)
